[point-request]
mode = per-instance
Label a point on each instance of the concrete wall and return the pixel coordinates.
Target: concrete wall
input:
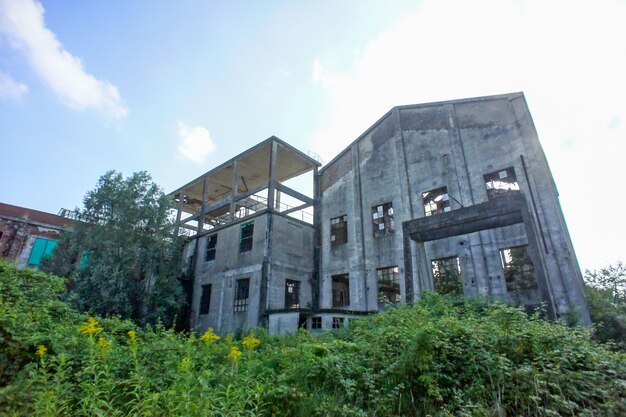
(415, 149)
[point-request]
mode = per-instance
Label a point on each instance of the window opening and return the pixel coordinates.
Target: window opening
(316, 323)
(338, 230)
(292, 294)
(42, 248)
(519, 272)
(382, 219)
(338, 322)
(247, 232)
(341, 290)
(501, 182)
(211, 244)
(447, 276)
(205, 299)
(242, 293)
(436, 201)
(388, 285)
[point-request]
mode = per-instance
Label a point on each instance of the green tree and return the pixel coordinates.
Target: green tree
(122, 257)
(605, 290)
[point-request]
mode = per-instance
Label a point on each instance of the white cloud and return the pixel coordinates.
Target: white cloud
(195, 143)
(22, 22)
(567, 57)
(11, 89)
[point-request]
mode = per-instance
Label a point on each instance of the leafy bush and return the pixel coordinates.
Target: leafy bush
(440, 357)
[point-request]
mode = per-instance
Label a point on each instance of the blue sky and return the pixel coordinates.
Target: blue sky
(175, 88)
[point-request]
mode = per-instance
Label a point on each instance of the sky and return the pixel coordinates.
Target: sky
(176, 88)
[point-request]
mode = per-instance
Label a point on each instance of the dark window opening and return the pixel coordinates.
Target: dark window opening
(247, 232)
(382, 219)
(338, 322)
(436, 201)
(205, 299)
(519, 272)
(211, 243)
(242, 294)
(388, 285)
(500, 182)
(338, 230)
(302, 322)
(341, 290)
(447, 276)
(316, 323)
(292, 294)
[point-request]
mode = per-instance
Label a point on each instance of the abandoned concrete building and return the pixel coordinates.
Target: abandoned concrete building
(454, 197)
(27, 235)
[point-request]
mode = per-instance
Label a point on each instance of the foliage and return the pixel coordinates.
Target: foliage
(122, 258)
(439, 357)
(605, 290)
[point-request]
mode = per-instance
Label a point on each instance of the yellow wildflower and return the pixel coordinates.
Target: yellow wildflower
(209, 336)
(250, 342)
(132, 335)
(41, 350)
(184, 364)
(234, 354)
(91, 327)
(103, 343)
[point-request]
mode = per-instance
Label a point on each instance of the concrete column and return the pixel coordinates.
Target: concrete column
(235, 189)
(272, 177)
(205, 195)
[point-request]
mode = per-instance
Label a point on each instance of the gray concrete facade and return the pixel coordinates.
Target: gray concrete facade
(450, 196)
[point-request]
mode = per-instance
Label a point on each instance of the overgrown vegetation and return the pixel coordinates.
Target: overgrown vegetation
(440, 357)
(121, 257)
(605, 290)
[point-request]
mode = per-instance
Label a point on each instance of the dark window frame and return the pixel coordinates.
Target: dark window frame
(383, 221)
(339, 230)
(292, 298)
(447, 275)
(388, 285)
(501, 181)
(211, 248)
(338, 322)
(246, 237)
(436, 201)
(340, 290)
(242, 295)
(205, 299)
(518, 269)
(316, 323)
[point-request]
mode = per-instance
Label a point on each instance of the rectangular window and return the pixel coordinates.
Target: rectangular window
(338, 322)
(338, 230)
(242, 294)
(41, 248)
(501, 182)
(436, 201)
(292, 294)
(382, 219)
(316, 323)
(341, 290)
(211, 243)
(447, 275)
(388, 285)
(245, 241)
(519, 272)
(205, 299)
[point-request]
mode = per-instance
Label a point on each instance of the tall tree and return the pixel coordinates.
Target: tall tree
(122, 257)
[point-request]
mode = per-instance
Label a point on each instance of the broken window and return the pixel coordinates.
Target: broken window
(245, 241)
(341, 290)
(338, 230)
(211, 243)
(316, 323)
(242, 293)
(382, 218)
(436, 201)
(205, 299)
(41, 248)
(447, 277)
(501, 182)
(292, 294)
(388, 285)
(519, 272)
(338, 322)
